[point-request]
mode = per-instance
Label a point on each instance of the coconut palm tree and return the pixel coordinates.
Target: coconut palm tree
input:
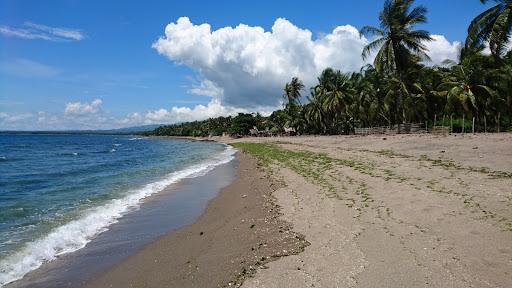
(315, 116)
(293, 111)
(398, 44)
(334, 93)
(292, 90)
(460, 89)
(337, 93)
(494, 26)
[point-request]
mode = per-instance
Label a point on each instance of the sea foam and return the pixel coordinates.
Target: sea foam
(77, 233)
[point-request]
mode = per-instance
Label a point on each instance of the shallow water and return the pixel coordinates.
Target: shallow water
(173, 208)
(59, 192)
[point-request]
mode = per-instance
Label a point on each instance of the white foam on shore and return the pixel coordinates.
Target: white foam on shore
(77, 233)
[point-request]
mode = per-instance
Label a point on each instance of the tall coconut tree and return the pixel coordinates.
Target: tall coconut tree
(292, 90)
(493, 26)
(398, 45)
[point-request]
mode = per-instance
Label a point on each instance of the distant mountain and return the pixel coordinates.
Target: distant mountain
(127, 130)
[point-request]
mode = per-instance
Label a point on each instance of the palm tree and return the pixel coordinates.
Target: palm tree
(293, 111)
(337, 93)
(334, 93)
(315, 115)
(494, 26)
(461, 90)
(398, 45)
(292, 90)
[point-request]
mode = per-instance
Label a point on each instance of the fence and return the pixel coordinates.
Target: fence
(407, 128)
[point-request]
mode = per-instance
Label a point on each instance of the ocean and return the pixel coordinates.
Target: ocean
(60, 192)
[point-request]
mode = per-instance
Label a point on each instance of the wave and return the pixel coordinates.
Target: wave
(136, 138)
(3, 158)
(77, 233)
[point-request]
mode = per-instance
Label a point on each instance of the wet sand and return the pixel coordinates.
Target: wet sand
(239, 233)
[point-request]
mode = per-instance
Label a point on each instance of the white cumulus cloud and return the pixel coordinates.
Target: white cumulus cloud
(246, 66)
(83, 108)
(441, 49)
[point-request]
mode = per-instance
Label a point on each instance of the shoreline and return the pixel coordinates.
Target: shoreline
(419, 196)
(171, 208)
(239, 232)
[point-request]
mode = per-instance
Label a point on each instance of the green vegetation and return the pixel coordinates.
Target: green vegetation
(317, 168)
(327, 173)
(448, 164)
(492, 26)
(399, 87)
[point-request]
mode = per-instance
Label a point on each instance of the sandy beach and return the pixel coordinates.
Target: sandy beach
(239, 233)
(379, 211)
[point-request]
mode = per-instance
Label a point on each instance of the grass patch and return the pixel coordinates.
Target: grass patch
(390, 153)
(449, 164)
(315, 167)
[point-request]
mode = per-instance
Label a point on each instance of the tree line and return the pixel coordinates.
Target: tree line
(400, 86)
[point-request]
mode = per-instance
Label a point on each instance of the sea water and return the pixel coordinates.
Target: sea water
(58, 192)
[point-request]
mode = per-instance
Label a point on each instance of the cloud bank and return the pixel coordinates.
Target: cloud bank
(241, 69)
(91, 115)
(246, 66)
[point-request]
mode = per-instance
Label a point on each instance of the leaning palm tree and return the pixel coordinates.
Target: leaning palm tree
(398, 44)
(494, 26)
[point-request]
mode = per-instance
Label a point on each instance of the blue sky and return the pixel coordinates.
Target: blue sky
(103, 69)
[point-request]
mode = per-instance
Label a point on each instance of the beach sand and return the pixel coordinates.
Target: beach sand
(378, 211)
(239, 232)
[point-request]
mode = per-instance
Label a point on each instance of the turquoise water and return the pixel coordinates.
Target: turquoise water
(57, 192)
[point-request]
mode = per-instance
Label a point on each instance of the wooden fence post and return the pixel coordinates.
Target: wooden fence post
(451, 123)
(463, 122)
(498, 122)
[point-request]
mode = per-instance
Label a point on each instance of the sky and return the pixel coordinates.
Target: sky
(109, 64)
